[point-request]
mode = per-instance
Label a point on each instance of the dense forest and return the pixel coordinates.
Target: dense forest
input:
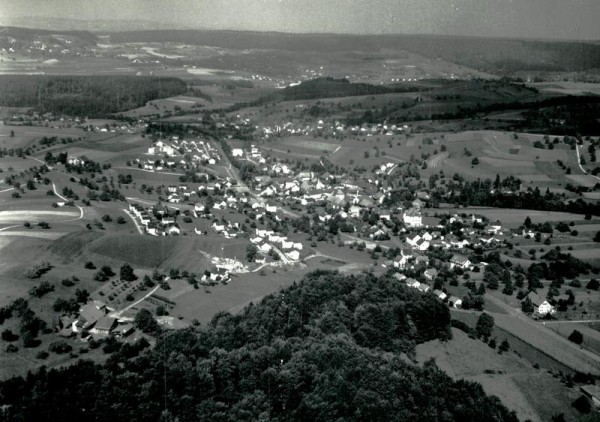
(331, 88)
(91, 96)
(330, 347)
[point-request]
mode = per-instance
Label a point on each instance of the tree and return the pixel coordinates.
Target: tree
(146, 322)
(508, 289)
(597, 237)
(485, 325)
(251, 252)
(576, 337)
(593, 284)
(527, 306)
(582, 404)
(504, 346)
(527, 222)
(127, 273)
(475, 161)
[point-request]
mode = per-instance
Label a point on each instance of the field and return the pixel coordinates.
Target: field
(512, 218)
(518, 385)
(203, 303)
(591, 337)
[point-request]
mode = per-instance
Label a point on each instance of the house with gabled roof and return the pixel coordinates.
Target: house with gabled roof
(540, 305)
(460, 261)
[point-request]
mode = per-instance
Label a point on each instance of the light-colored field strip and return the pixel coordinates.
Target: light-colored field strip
(36, 234)
(12, 217)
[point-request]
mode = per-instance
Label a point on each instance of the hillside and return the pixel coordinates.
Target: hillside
(329, 347)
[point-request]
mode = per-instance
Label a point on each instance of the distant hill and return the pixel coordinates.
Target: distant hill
(492, 55)
(485, 54)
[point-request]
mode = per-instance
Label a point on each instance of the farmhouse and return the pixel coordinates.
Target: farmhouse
(104, 326)
(89, 315)
(540, 306)
(76, 161)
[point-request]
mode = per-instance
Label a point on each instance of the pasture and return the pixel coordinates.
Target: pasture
(203, 303)
(26, 136)
(591, 337)
(502, 375)
(511, 217)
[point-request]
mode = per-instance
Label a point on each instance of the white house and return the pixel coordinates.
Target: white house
(441, 295)
(460, 261)
(237, 152)
(540, 305)
(265, 247)
(413, 218)
(455, 302)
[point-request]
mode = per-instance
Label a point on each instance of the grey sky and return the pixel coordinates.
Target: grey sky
(563, 19)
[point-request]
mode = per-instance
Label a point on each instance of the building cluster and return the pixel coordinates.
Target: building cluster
(93, 320)
(267, 240)
(333, 128)
(156, 220)
(180, 153)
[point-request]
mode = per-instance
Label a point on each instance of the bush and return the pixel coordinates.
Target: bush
(42, 355)
(41, 290)
(9, 336)
(67, 282)
(576, 337)
(11, 348)
(89, 265)
(60, 347)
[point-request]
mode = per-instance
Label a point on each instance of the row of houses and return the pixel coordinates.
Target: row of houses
(424, 287)
(153, 226)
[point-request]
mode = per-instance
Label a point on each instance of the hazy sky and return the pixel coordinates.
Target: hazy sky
(566, 19)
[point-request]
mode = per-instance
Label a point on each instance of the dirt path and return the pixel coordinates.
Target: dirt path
(117, 314)
(66, 200)
(579, 163)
